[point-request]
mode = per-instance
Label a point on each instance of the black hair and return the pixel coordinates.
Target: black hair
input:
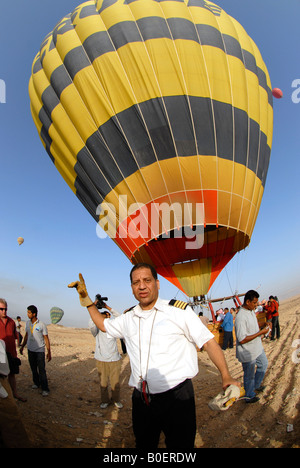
(250, 295)
(144, 265)
(33, 309)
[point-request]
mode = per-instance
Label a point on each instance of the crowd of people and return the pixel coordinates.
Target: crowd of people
(226, 318)
(161, 340)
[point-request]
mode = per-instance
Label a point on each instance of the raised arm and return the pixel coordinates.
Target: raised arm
(97, 317)
(86, 301)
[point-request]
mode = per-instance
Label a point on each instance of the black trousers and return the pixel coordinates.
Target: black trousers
(172, 412)
(227, 340)
(275, 328)
(38, 368)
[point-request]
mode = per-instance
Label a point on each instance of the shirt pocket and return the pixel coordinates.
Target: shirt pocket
(131, 330)
(165, 337)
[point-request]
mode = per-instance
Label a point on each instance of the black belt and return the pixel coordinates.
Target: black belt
(151, 396)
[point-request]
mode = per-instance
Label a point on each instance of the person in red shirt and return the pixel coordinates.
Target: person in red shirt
(275, 318)
(8, 334)
(269, 311)
(273, 315)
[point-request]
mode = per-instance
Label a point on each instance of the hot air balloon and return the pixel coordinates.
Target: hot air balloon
(148, 104)
(277, 93)
(20, 240)
(56, 314)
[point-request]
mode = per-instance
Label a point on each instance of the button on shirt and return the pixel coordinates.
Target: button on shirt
(245, 325)
(36, 332)
(172, 355)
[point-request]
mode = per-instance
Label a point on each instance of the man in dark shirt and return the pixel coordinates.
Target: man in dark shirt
(227, 326)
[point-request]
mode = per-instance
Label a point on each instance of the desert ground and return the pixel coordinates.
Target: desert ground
(71, 417)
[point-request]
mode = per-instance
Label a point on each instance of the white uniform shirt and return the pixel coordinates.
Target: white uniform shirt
(172, 357)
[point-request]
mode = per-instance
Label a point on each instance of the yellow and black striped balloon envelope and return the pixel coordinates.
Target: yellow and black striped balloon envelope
(150, 110)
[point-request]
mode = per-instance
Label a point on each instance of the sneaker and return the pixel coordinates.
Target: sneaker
(118, 404)
(103, 405)
(34, 387)
(45, 393)
(260, 389)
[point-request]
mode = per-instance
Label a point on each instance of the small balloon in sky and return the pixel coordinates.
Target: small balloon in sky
(277, 93)
(20, 240)
(56, 314)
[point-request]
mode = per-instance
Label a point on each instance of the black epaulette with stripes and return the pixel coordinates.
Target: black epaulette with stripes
(128, 310)
(180, 304)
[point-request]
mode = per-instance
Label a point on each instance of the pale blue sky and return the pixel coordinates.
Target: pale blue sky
(60, 236)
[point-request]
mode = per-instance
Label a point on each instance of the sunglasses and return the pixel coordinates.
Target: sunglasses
(3, 308)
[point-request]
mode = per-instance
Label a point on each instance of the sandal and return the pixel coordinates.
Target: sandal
(24, 400)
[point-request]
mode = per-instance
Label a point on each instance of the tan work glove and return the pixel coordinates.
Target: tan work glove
(224, 400)
(85, 300)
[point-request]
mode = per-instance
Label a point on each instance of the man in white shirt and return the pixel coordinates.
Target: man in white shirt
(249, 348)
(108, 362)
(36, 338)
(161, 340)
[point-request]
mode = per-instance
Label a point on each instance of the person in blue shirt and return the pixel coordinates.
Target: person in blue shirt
(227, 326)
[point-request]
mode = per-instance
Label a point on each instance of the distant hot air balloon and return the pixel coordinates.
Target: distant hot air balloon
(20, 240)
(277, 93)
(56, 314)
(153, 103)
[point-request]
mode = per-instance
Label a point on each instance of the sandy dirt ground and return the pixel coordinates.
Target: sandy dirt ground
(71, 417)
